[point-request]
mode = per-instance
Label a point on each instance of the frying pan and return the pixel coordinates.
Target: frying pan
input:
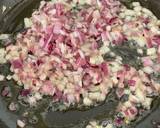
(11, 21)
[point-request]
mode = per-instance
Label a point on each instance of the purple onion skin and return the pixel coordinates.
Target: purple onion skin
(25, 92)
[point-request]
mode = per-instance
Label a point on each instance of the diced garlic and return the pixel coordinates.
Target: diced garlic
(118, 59)
(139, 13)
(96, 14)
(158, 22)
(137, 8)
(14, 54)
(2, 52)
(2, 77)
(154, 29)
(96, 59)
(133, 98)
(114, 80)
(141, 41)
(94, 96)
(136, 4)
(140, 95)
(153, 56)
(2, 61)
(2, 56)
(94, 88)
(140, 51)
(93, 123)
(147, 11)
(21, 123)
(4, 36)
(8, 57)
(151, 51)
(125, 27)
(87, 101)
(127, 104)
(82, 2)
(26, 86)
(112, 54)
(89, 126)
(4, 8)
(148, 70)
(115, 66)
(122, 15)
(27, 22)
(123, 8)
(61, 86)
(38, 96)
(42, 76)
(128, 18)
(104, 49)
(150, 25)
(19, 83)
(147, 103)
(145, 16)
(109, 28)
(9, 77)
(32, 100)
(89, 2)
(102, 97)
(127, 91)
(158, 32)
(15, 77)
(129, 12)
